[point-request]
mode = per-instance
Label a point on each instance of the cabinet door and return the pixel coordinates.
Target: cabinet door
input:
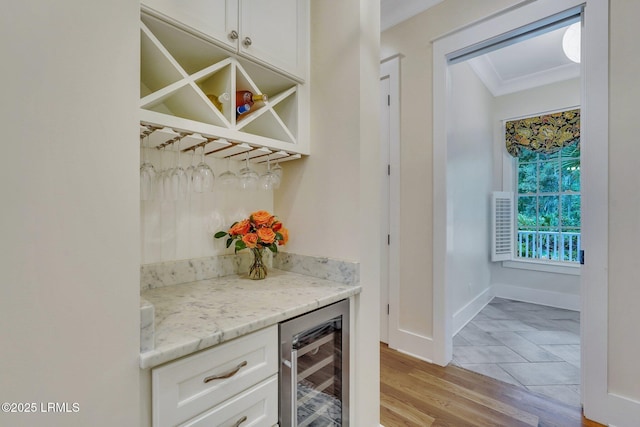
(213, 19)
(276, 32)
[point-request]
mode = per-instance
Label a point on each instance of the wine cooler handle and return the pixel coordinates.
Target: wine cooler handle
(233, 35)
(240, 421)
(294, 388)
(226, 375)
(247, 41)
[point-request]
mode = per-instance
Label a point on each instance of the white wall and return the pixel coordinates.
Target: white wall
(367, 365)
(558, 289)
(469, 185)
(69, 275)
(330, 200)
(412, 39)
(624, 205)
(319, 198)
(184, 229)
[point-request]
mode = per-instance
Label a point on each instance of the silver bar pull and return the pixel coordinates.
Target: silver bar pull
(240, 421)
(294, 388)
(227, 374)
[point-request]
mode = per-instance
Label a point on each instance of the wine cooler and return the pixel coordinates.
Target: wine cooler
(314, 368)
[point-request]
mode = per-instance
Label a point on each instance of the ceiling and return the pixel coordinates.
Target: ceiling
(531, 63)
(393, 12)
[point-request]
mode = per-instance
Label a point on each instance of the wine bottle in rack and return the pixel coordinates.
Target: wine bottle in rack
(245, 100)
(241, 109)
(218, 101)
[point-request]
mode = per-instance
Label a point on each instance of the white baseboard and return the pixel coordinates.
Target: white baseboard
(537, 296)
(623, 411)
(469, 311)
(412, 344)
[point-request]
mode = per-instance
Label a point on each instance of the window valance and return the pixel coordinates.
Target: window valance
(543, 134)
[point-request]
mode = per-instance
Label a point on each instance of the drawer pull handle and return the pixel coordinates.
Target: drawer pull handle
(228, 374)
(240, 421)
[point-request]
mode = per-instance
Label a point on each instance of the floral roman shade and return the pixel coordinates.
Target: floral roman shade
(543, 134)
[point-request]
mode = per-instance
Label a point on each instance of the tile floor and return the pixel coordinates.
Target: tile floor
(529, 345)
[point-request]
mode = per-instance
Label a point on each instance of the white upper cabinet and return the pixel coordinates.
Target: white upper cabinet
(273, 33)
(212, 18)
(194, 51)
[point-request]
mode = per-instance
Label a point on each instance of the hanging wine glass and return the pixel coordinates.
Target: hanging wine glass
(228, 180)
(247, 177)
(190, 170)
(147, 173)
(269, 180)
(161, 193)
(178, 177)
(168, 192)
(203, 176)
(277, 169)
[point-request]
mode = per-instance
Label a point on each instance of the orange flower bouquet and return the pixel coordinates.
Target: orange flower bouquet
(261, 230)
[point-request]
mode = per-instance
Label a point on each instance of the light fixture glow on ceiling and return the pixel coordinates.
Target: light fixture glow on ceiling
(571, 42)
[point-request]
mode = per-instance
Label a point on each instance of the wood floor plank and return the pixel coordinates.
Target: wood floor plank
(406, 412)
(419, 394)
(497, 405)
(422, 394)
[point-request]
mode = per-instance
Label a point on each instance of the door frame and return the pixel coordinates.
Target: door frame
(598, 403)
(390, 68)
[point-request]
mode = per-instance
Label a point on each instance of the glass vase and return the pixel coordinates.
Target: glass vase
(258, 269)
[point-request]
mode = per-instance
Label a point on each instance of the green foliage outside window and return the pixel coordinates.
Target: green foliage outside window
(549, 204)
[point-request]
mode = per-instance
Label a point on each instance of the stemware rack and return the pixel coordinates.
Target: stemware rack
(161, 137)
(179, 70)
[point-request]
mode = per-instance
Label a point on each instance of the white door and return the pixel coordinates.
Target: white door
(390, 332)
(386, 232)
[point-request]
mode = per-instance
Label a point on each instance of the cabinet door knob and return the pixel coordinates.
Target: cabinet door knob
(233, 35)
(247, 41)
(226, 375)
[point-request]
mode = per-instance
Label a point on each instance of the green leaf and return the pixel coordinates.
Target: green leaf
(229, 241)
(279, 236)
(220, 234)
(240, 245)
(273, 248)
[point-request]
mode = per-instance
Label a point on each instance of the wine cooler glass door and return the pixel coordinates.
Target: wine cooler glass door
(318, 374)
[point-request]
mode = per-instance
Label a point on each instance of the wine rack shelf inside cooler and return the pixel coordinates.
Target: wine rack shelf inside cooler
(179, 70)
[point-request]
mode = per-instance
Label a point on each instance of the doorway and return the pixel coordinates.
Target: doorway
(532, 345)
(482, 36)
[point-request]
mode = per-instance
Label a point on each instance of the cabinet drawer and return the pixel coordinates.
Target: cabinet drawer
(256, 407)
(190, 386)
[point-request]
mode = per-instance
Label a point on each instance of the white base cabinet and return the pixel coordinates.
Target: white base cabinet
(232, 384)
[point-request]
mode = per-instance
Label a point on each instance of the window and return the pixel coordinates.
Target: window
(548, 205)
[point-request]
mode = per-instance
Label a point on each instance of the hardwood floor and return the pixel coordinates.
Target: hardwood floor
(417, 393)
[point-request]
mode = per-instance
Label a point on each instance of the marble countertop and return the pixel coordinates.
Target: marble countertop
(193, 316)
